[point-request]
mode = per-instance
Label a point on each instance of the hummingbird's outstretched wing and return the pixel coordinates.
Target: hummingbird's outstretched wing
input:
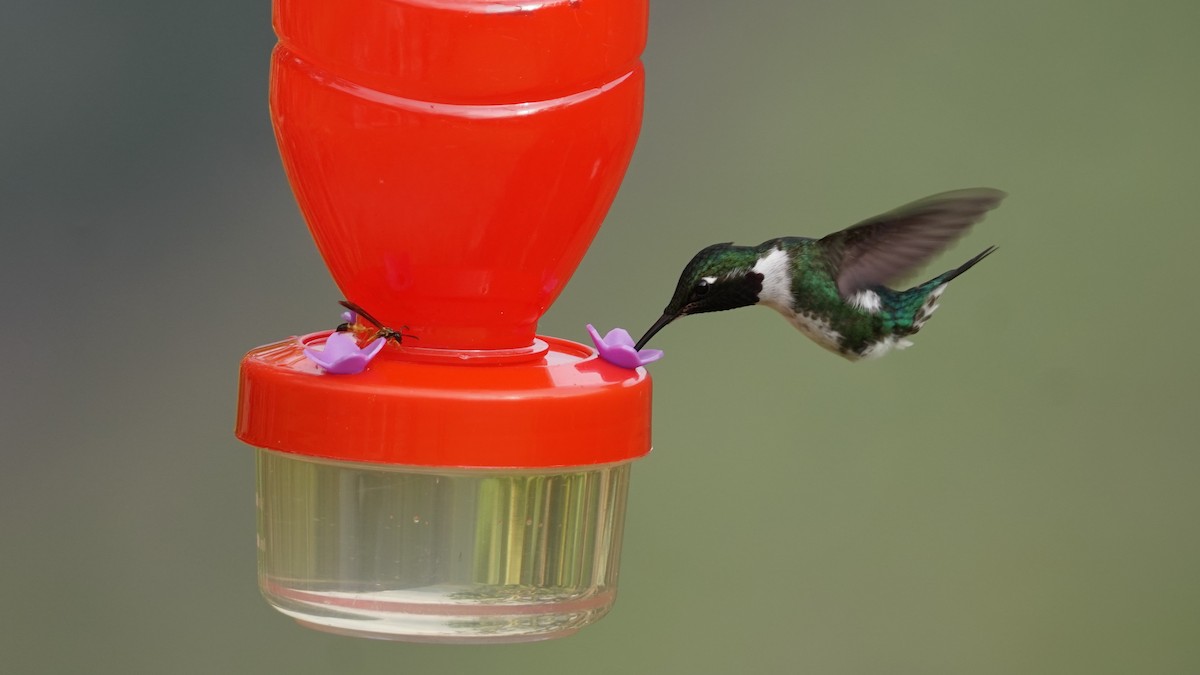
(891, 246)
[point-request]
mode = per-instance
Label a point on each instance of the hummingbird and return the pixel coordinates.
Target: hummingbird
(832, 289)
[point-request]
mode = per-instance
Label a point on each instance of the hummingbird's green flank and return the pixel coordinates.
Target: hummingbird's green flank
(832, 289)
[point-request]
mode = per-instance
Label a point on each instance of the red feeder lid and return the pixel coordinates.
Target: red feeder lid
(557, 407)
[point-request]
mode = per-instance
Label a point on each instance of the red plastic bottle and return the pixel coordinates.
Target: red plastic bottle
(453, 158)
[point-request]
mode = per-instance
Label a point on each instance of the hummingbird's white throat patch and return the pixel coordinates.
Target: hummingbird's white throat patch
(776, 270)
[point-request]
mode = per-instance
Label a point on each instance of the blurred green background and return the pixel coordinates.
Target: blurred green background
(1015, 494)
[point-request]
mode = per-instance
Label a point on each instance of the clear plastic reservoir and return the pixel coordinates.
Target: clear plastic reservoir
(427, 554)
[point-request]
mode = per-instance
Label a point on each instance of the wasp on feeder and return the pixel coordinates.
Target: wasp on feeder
(381, 331)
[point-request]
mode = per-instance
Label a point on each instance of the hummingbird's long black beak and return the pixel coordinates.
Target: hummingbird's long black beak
(658, 325)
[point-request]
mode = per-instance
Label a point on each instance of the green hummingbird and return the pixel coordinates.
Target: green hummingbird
(832, 289)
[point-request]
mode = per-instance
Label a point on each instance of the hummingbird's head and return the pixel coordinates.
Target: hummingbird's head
(719, 277)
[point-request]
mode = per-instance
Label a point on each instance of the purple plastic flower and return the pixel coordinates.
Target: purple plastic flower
(349, 317)
(342, 355)
(617, 349)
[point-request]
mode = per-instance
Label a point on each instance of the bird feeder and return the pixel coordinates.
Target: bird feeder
(453, 160)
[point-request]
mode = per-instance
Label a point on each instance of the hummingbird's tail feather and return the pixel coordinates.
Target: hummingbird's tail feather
(907, 311)
(949, 276)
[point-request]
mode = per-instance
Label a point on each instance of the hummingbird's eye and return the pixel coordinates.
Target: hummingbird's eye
(701, 288)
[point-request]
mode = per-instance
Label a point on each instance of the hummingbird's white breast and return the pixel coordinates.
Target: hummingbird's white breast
(776, 269)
